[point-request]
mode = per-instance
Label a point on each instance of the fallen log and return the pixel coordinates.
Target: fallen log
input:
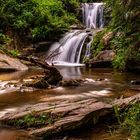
(66, 115)
(52, 75)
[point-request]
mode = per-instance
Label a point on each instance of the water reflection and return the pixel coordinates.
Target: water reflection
(12, 75)
(71, 72)
(12, 134)
(20, 74)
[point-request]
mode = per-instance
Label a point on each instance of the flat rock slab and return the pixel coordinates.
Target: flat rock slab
(8, 63)
(72, 114)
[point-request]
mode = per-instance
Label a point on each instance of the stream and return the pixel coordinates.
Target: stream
(104, 84)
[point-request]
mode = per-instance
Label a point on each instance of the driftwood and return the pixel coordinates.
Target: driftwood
(72, 114)
(53, 76)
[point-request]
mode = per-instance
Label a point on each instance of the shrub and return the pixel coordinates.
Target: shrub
(42, 18)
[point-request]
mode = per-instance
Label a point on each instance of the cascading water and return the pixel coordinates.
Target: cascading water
(68, 50)
(93, 15)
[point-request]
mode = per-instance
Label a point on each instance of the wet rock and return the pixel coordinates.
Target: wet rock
(135, 82)
(106, 55)
(8, 63)
(102, 60)
(66, 116)
(37, 83)
(67, 83)
(53, 77)
(79, 26)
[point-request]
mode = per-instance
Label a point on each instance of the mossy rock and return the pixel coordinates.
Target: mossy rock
(38, 83)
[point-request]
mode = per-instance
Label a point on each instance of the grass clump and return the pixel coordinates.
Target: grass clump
(129, 120)
(34, 120)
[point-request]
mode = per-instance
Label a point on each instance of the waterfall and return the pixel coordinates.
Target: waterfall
(93, 15)
(68, 50)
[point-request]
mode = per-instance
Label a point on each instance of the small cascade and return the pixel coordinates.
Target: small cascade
(68, 50)
(93, 15)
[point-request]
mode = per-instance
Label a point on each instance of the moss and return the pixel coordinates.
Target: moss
(125, 20)
(38, 83)
(34, 120)
(97, 44)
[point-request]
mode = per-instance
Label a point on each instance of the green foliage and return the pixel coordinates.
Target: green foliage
(120, 43)
(43, 18)
(34, 119)
(86, 59)
(4, 40)
(97, 44)
(71, 5)
(119, 60)
(14, 52)
(132, 121)
(124, 14)
(129, 120)
(126, 30)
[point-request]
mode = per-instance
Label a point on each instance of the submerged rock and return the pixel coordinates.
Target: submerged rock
(37, 83)
(53, 76)
(67, 83)
(8, 63)
(135, 82)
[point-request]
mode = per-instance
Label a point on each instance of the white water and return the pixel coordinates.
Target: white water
(68, 50)
(93, 15)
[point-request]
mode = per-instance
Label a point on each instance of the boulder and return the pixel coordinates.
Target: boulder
(106, 55)
(37, 83)
(54, 76)
(8, 63)
(102, 60)
(68, 83)
(79, 26)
